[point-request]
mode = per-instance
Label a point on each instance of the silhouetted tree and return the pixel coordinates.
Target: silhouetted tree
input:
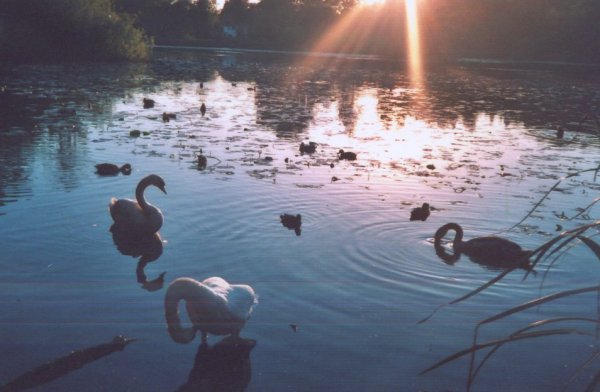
(68, 29)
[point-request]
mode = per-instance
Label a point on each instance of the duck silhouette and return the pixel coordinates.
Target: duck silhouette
(202, 161)
(309, 148)
(492, 252)
(166, 117)
(148, 103)
(292, 222)
(138, 215)
(420, 213)
(203, 109)
(110, 169)
(346, 155)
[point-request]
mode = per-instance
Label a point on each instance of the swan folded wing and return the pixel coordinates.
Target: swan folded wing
(241, 301)
(219, 286)
(125, 210)
(494, 248)
(129, 213)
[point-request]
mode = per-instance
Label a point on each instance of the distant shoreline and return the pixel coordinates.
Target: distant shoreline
(470, 61)
(223, 49)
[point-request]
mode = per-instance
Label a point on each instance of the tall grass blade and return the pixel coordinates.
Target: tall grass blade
(508, 339)
(469, 294)
(596, 200)
(535, 324)
(538, 301)
(593, 245)
(432, 313)
(592, 386)
(595, 170)
(483, 287)
(583, 366)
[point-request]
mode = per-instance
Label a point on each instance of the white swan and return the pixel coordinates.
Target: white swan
(213, 305)
(139, 216)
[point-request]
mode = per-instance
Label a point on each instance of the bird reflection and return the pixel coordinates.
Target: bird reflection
(224, 367)
(494, 253)
(147, 247)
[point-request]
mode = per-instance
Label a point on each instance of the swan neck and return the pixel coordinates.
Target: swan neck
(456, 243)
(442, 231)
(181, 289)
(458, 237)
(139, 193)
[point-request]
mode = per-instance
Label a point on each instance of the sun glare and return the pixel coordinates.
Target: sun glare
(414, 46)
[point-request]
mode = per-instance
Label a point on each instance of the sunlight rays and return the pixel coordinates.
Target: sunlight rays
(349, 35)
(415, 66)
(395, 23)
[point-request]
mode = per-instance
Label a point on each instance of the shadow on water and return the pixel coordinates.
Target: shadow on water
(147, 247)
(62, 366)
(224, 367)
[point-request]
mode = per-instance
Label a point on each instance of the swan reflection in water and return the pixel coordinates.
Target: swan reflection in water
(491, 252)
(223, 367)
(147, 247)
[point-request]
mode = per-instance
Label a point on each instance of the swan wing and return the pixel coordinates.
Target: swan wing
(129, 213)
(125, 210)
(241, 301)
(494, 249)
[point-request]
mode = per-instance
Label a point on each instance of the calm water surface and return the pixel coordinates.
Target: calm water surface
(478, 145)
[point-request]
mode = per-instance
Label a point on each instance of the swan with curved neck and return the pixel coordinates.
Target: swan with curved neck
(139, 215)
(491, 251)
(213, 305)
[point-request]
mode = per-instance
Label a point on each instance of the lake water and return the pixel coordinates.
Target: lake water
(478, 144)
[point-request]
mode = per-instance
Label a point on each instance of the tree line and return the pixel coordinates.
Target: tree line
(450, 29)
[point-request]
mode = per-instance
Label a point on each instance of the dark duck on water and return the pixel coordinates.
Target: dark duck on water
(148, 103)
(346, 155)
(494, 252)
(110, 169)
(309, 148)
(292, 222)
(420, 213)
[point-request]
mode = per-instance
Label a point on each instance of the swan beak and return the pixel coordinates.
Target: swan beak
(162, 188)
